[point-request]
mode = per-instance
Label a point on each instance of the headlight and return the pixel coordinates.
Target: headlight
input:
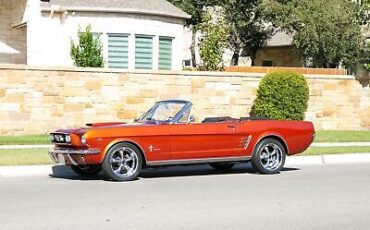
(68, 139)
(83, 139)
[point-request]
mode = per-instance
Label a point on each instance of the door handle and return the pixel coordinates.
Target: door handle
(231, 126)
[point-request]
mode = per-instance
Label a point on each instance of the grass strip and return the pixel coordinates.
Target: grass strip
(336, 150)
(342, 136)
(24, 157)
(25, 140)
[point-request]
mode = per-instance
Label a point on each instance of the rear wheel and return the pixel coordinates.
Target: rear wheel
(269, 156)
(123, 162)
(222, 166)
(87, 170)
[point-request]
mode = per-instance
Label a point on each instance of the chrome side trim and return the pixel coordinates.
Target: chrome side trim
(74, 151)
(198, 161)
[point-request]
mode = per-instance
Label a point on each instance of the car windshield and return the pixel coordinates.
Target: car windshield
(164, 111)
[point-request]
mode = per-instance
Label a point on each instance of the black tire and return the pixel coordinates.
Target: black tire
(264, 155)
(110, 168)
(87, 170)
(224, 166)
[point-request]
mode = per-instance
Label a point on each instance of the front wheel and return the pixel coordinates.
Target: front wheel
(269, 156)
(87, 170)
(123, 162)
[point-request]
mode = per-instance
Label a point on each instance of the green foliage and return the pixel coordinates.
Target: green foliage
(366, 57)
(327, 33)
(213, 42)
(362, 11)
(249, 30)
(281, 96)
(88, 52)
(195, 8)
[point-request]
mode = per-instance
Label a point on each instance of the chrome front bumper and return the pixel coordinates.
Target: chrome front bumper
(71, 156)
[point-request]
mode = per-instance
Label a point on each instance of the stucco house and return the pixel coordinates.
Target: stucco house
(279, 51)
(136, 34)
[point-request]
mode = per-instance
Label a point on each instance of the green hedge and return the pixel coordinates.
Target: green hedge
(282, 96)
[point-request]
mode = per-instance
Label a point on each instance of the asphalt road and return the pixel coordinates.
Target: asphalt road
(196, 197)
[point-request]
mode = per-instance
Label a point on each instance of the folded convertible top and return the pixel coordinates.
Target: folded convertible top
(223, 119)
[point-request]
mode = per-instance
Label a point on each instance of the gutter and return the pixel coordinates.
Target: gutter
(58, 8)
(19, 25)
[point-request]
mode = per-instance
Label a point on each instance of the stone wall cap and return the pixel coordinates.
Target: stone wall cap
(160, 72)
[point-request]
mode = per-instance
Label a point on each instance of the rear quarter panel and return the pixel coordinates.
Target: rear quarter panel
(297, 135)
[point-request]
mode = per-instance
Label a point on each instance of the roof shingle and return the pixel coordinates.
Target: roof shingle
(157, 7)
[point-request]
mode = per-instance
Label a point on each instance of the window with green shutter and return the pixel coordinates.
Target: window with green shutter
(143, 52)
(118, 51)
(165, 53)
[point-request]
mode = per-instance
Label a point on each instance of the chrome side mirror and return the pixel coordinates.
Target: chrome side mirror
(191, 119)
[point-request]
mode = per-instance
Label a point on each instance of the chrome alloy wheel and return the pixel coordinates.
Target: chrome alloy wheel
(124, 162)
(271, 156)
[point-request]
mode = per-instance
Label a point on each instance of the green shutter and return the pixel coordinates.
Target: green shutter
(118, 51)
(165, 53)
(143, 52)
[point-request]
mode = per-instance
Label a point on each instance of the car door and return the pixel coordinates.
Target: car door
(153, 139)
(204, 140)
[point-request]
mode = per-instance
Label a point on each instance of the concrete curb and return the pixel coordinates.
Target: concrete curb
(45, 170)
(329, 159)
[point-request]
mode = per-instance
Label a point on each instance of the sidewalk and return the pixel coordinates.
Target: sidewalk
(293, 161)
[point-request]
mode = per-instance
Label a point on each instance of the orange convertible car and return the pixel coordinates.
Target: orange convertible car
(167, 135)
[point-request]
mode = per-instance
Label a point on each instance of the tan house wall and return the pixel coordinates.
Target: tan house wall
(281, 56)
(39, 100)
(13, 41)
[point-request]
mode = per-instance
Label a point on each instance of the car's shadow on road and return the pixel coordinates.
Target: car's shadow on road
(64, 172)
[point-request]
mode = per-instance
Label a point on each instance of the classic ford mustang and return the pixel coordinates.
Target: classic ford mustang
(167, 135)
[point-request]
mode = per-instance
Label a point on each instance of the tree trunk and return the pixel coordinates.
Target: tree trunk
(192, 48)
(235, 58)
(253, 58)
(253, 55)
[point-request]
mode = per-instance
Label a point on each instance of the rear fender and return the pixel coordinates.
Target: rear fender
(272, 135)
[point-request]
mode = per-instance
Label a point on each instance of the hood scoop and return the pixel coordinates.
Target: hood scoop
(104, 124)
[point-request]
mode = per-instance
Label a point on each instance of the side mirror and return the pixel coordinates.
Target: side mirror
(191, 119)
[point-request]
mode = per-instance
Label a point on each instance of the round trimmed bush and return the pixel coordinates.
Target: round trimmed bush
(282, 96)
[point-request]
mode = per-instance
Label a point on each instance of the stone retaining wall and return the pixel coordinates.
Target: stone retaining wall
(37, 100)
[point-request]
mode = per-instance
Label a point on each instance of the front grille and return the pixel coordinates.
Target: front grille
(60, 138)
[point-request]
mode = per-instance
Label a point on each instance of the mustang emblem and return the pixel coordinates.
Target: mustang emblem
(152, 148)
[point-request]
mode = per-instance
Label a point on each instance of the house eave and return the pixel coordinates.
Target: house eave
(116, 10)
(19, 25)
